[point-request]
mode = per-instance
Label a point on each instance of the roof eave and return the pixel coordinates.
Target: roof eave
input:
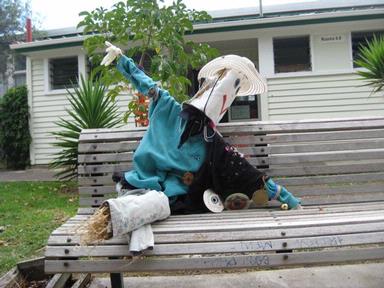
(258, 23)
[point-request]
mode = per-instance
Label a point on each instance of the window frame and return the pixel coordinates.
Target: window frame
(293, 73)
(47, 80)
(257, 96)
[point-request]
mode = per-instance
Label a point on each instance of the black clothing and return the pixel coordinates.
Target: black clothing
(225, 171)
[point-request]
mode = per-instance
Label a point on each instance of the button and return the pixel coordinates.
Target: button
(187, 178)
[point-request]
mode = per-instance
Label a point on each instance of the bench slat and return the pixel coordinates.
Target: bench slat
(221, 262)
(258, 234)
(201, 219)
(306, 200)
(296, 181)
(324, 170)
(123, 146)
(164, 228)
(297, 190)
(337, 240)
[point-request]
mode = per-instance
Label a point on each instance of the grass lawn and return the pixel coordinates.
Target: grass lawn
(29, 212)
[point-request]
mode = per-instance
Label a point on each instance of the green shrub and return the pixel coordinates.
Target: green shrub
(371, 57)
(14, 128)
(90, 108)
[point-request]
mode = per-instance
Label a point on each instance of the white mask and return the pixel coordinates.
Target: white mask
(216, 94)
(223, 79)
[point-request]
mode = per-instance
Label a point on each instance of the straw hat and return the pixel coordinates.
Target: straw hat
(254, 84)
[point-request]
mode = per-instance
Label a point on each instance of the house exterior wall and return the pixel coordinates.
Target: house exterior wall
(330, 90)
(46, 107)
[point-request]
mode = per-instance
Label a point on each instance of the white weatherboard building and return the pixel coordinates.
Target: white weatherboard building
(305, 51)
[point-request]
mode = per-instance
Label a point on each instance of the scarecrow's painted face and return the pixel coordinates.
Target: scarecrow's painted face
(216, 94)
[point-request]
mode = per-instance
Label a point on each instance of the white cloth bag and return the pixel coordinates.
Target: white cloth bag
(133, 211)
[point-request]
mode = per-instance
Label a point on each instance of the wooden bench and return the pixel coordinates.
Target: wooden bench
(335, 166)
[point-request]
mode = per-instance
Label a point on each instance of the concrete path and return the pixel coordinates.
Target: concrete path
(340, 276)
(32, 174)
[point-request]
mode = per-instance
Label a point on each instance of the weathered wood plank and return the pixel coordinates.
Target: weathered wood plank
(106, 179)
(125, 155)
(239, 261)
(106, 168)
(83, 281)
(248, 123)
(273, 171)
(220, 222)
(73, 228)
(96, 190)
(332, 179)
(323, 170)
(11, 279)
(312, 190)
(123, 146)
(305, 137)
(249, 128)
(337, 240)
(59, 280)
(297, 181)
(258, 215)
(325, 156)
(257, 234)
(306, 199)
(263, 212)
(131, 135)
(105, 157)
(324, 147)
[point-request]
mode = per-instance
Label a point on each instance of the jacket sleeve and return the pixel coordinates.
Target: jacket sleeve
(137, 77)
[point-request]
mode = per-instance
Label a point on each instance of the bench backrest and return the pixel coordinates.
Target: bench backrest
(321, 161)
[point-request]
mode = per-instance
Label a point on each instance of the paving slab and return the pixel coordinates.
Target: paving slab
(31, 174)
(367, 275)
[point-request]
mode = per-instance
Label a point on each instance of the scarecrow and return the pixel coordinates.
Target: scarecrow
(183, 155)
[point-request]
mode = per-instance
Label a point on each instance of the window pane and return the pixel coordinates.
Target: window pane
(20, 79)
(361, 38)
(63, 72)
(20, 62)
(292, 54)
(245, 107)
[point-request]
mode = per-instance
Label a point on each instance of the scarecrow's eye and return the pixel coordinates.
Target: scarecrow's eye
(201, 81)
(237, 82)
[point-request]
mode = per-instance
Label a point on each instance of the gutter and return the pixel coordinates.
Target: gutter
(257, 23)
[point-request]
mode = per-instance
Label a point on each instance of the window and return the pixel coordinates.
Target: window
(244, 108)
(292, 54)
(20, 78)
(361, 38)
(63, 72)
(19, 62)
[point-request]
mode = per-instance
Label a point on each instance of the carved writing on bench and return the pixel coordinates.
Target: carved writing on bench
(319, 242)
(257, 260)
(259, 245)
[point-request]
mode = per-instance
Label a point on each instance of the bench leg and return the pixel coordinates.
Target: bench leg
(117, 280)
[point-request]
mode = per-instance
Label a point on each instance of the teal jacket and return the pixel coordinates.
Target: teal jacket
(158, 163)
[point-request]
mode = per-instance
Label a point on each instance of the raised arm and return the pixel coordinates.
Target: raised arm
(130, 71)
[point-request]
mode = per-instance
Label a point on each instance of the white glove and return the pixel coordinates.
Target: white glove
(112, 53)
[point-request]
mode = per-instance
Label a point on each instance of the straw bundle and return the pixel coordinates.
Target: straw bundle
(97, 227)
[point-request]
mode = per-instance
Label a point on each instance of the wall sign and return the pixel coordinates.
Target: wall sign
(332, 38)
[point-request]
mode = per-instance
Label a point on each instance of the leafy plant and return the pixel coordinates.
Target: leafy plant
(14, 128)
(153, 32)
(90, 108)
(371, 57)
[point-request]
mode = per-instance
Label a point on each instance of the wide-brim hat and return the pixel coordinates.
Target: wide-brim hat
(254, 84)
